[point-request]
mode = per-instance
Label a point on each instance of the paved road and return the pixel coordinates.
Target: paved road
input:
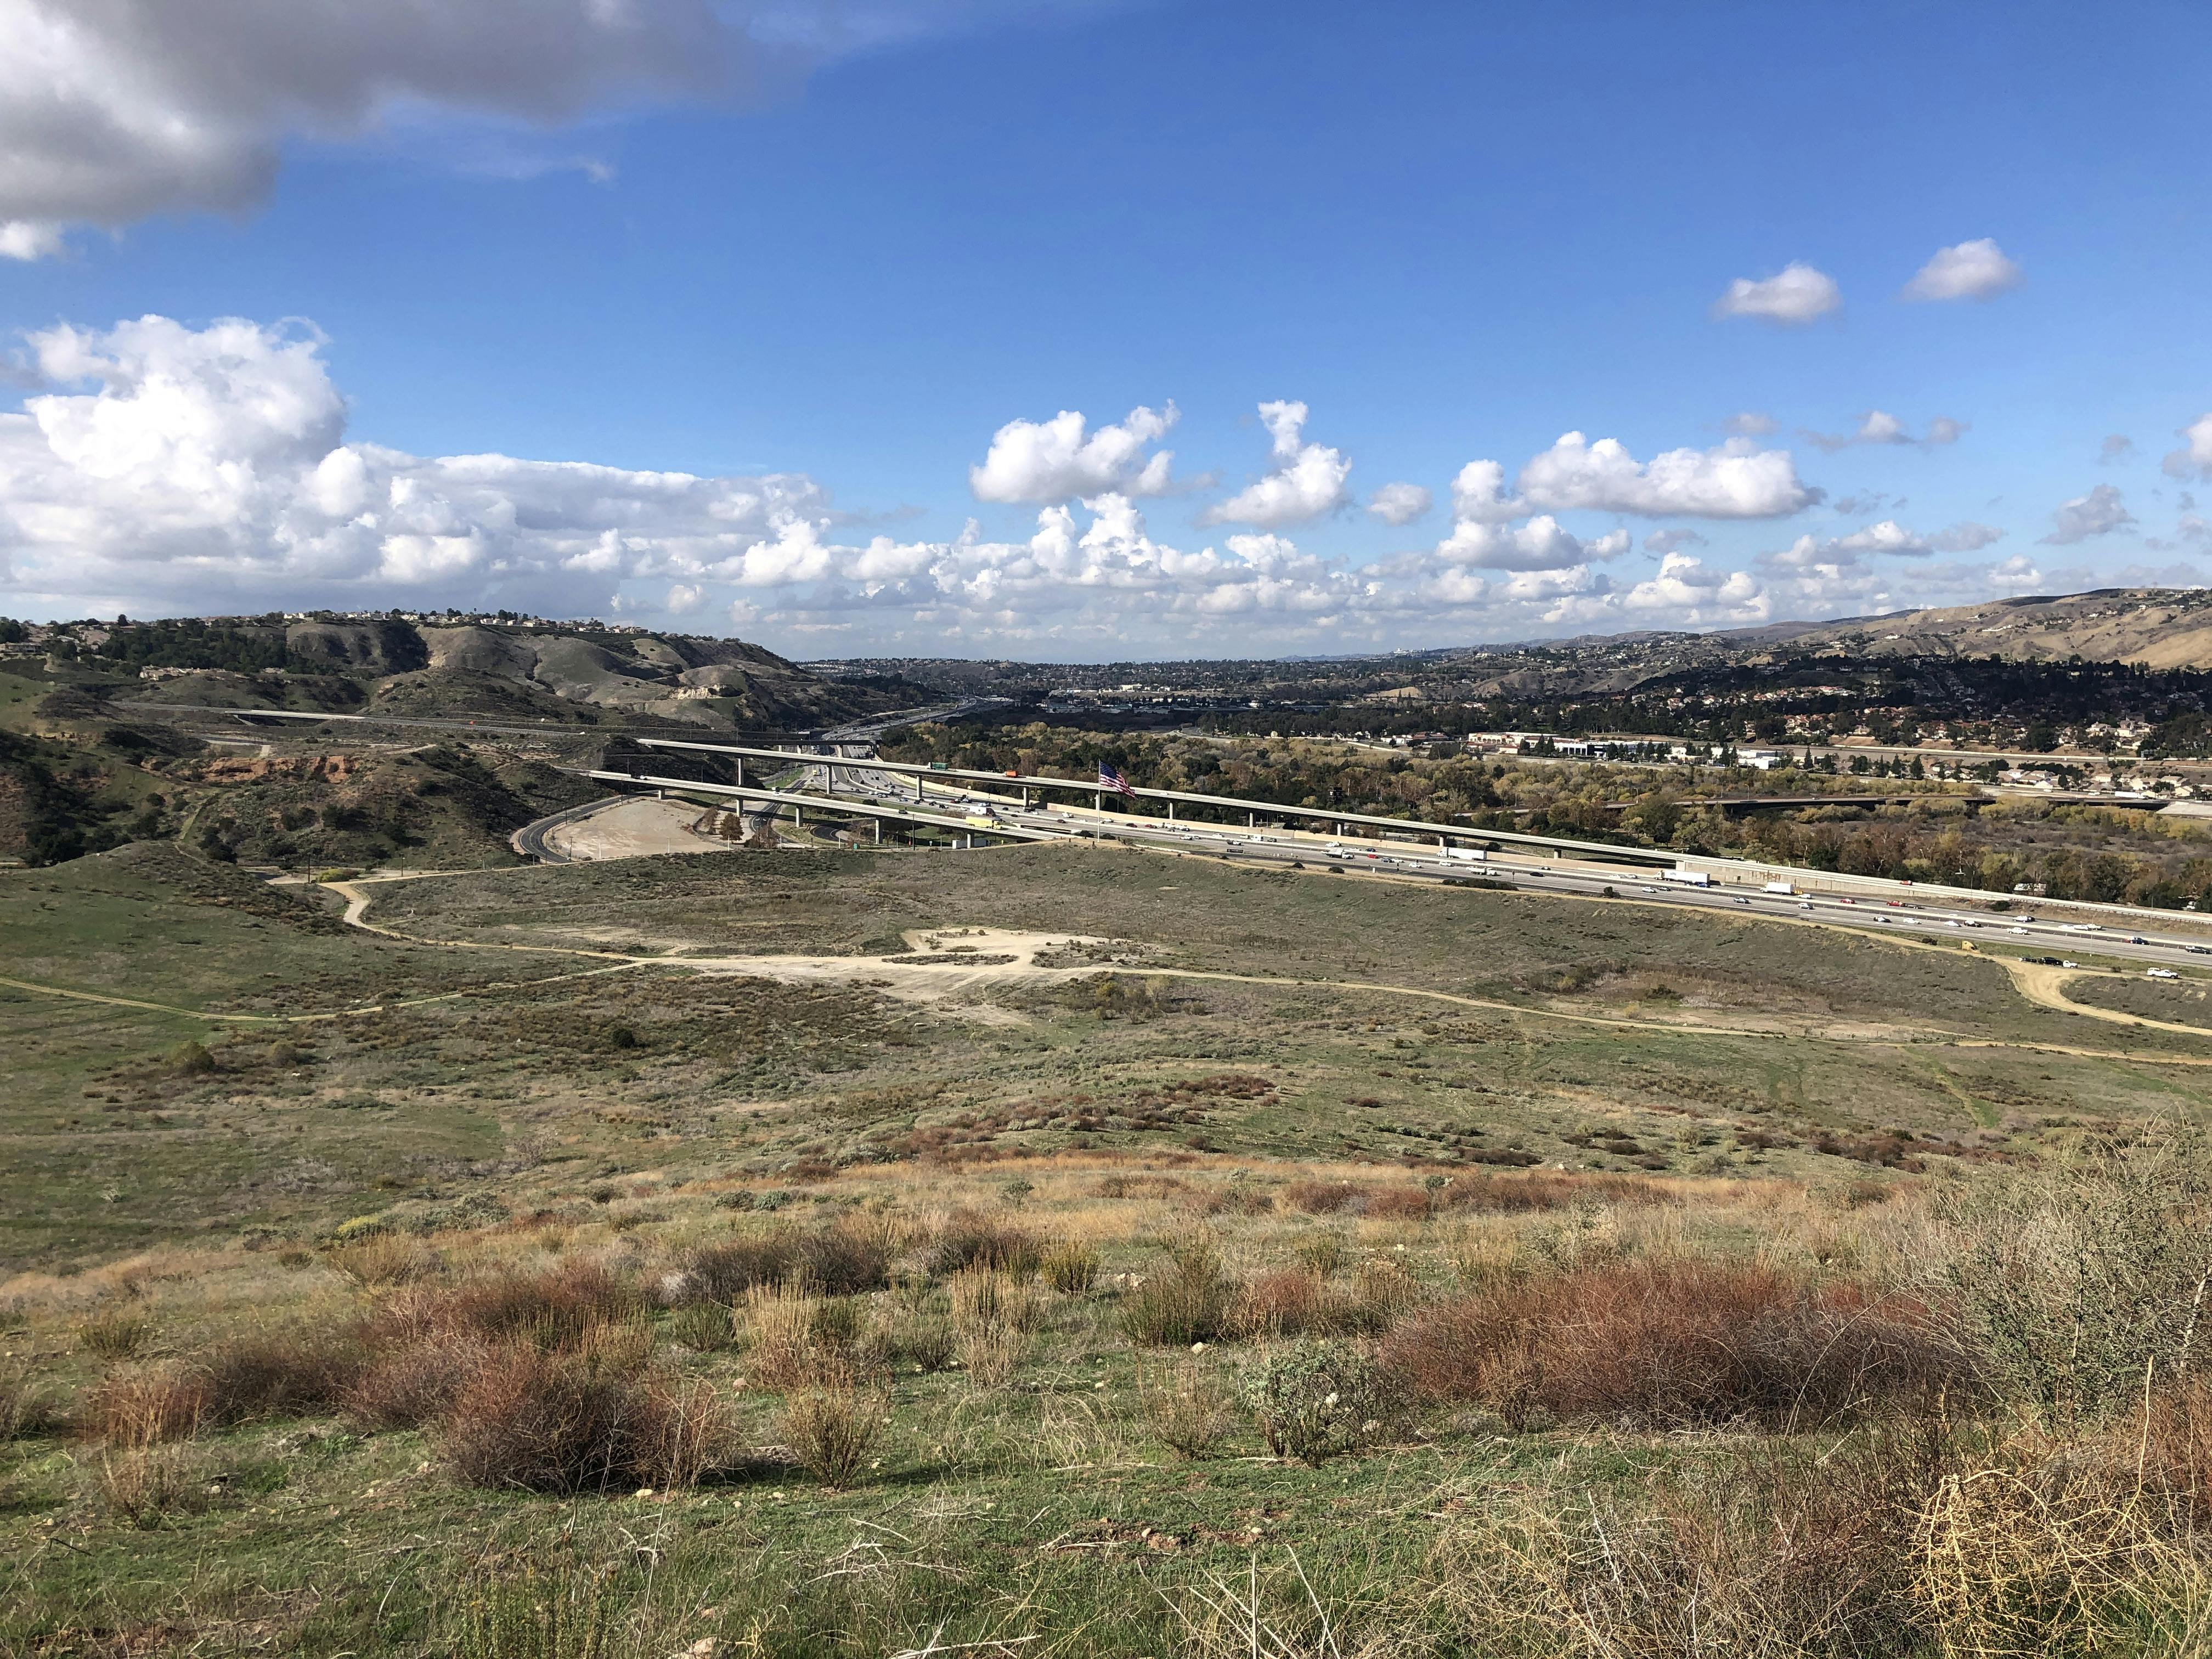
(529, 840)
(1905, 913)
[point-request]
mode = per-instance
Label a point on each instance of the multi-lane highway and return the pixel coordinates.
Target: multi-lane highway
(1892, 908)
(1404, 850)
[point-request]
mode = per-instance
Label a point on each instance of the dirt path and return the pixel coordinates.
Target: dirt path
(2045, 987)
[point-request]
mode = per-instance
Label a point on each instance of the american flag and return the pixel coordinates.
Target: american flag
(1110, 776)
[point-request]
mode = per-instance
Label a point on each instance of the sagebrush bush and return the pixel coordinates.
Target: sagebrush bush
(1672, 1343)
(1313, 1399)
(1189, 1300)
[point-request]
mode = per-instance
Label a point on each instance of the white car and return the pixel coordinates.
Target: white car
(2161, 973)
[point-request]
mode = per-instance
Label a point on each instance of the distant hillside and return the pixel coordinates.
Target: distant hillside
(524, 671)
(2159, 628)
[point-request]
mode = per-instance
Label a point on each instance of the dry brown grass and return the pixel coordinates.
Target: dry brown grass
(1187, 1406)
(1070, 1266)
(381, 1259)
(992, 1315)
(144, 1408)
(831, 1427)
(150, 1486)
(116, 1332)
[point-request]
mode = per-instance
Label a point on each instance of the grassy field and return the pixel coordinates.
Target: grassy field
(1289, 1264)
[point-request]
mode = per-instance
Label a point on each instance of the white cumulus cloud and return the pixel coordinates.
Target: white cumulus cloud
(1738, 480)
(2096, 514)
(1969, 271)
(1800, 293)
(2194, 458)
(1305, 482)
(1058, 460)
(1400, 503)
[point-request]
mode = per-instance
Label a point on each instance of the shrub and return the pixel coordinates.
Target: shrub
(578, 1422)
(115, 1333)
(1070, 1266)
(556, 1309)
(1313, 1399)
(1672, 1343)
(147, 1407)
(382, 1259)
(2081, 1283)
(724, 1272)
(416, 1382)
(1188, 1301)
(1186, 1407)
(845, 1259)
(703, 1327)
(992, 1314)
(1322, 1252)
(831, 1428)
(147, 1487)
(967, 1239)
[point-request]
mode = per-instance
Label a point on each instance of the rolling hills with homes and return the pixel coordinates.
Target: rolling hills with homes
(1065, 1248)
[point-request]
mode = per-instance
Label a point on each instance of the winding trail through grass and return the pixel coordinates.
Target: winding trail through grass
(2039, 984)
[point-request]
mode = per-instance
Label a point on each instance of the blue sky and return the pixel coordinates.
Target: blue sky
(819, 279)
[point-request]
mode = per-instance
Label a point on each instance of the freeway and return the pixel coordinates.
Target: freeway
(895, 790)
(921, 777)
(1895, 908)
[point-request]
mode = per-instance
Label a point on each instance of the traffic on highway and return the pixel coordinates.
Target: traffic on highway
(942, 796)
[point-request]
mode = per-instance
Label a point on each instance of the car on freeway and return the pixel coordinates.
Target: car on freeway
(1847, 901)
(1743, 900)
(2198, 949)
(2137, 938)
